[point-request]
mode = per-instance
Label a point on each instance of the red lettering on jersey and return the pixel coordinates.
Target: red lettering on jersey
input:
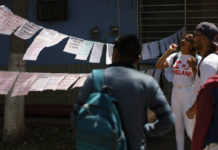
(184, 65)
(176, 64)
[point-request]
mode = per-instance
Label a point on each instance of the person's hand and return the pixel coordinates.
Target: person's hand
(173, 48)
(191, 112)
(191, 62)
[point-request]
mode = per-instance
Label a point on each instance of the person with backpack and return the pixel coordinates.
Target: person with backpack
(205, 136)
(132, 93)
(205, 36)
(183, 77)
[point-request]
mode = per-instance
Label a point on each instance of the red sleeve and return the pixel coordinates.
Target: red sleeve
(203, 118)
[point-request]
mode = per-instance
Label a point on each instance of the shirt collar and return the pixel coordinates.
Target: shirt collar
(128, 65)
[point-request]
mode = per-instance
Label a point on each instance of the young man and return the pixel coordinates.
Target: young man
(134, 92)
(206, 133)
(205, 36)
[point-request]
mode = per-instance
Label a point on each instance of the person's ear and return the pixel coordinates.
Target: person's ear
(138, 59)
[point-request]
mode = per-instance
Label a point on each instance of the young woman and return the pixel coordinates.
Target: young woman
(183, 78)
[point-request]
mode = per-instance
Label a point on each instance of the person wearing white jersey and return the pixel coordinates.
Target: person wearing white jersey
(205, 42)
(183, 77)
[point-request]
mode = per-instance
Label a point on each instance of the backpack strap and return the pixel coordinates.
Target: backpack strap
(98, 79)
(175, 58)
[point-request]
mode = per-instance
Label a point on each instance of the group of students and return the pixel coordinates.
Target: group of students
(135, 91)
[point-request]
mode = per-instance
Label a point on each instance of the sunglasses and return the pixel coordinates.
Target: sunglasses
(187, 39)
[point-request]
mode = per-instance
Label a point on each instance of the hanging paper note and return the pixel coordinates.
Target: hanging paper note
(145, 52)
(150, 72)
(46, 38)
(109, 53)
(73, 45)
(84, 50)
(54, 81)
(171, 39)
(79, 83)
(41, 82)
(69, 80)
(27, 30)
(6, 81)
(24, 83)
(175, 38)
(167, 42)
(96, 52)
(181, 33)
(157, 75)
(162, 46)
(9, 21)
(154, 49)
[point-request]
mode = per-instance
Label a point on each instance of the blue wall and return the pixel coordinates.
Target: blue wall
(82, 16)
(4, 41)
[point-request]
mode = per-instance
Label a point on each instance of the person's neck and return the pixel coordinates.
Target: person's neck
(205, 51)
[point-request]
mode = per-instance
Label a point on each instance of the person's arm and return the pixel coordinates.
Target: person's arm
(203, 118)
(207, 69)
(162, 63)
(165, 118)
(83, 95)
(192, 64)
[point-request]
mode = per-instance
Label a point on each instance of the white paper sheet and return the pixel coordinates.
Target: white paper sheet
(46, 38)
(157, 75)
(24, 83)
(9, 21)
(84, 50)
(162, 46)
(109, 53)
(79, 83)
(7, 80)
(150, 72)
(54, 80)
(73, 45)
(96, 52)
(145, 52)
(69, 80)
(41, 82)
(175, 38)
(166, 42)
(27, 30)
(154, 49)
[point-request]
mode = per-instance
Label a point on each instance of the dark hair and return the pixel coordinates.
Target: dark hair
(193, 50)
(128, 47)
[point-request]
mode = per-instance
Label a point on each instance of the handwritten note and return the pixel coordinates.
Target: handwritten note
(69, 80)
(9, 21)
(6, 81)
(162, 46)
(46, 38)
(167, 42)
(96, 52)
(73, 45)
(84, 50)
(81, 81)
(154, 49)
(27, 30)
(41, 82)
(54, 81)
(145, 52)
(24, 83)
(109, 53)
